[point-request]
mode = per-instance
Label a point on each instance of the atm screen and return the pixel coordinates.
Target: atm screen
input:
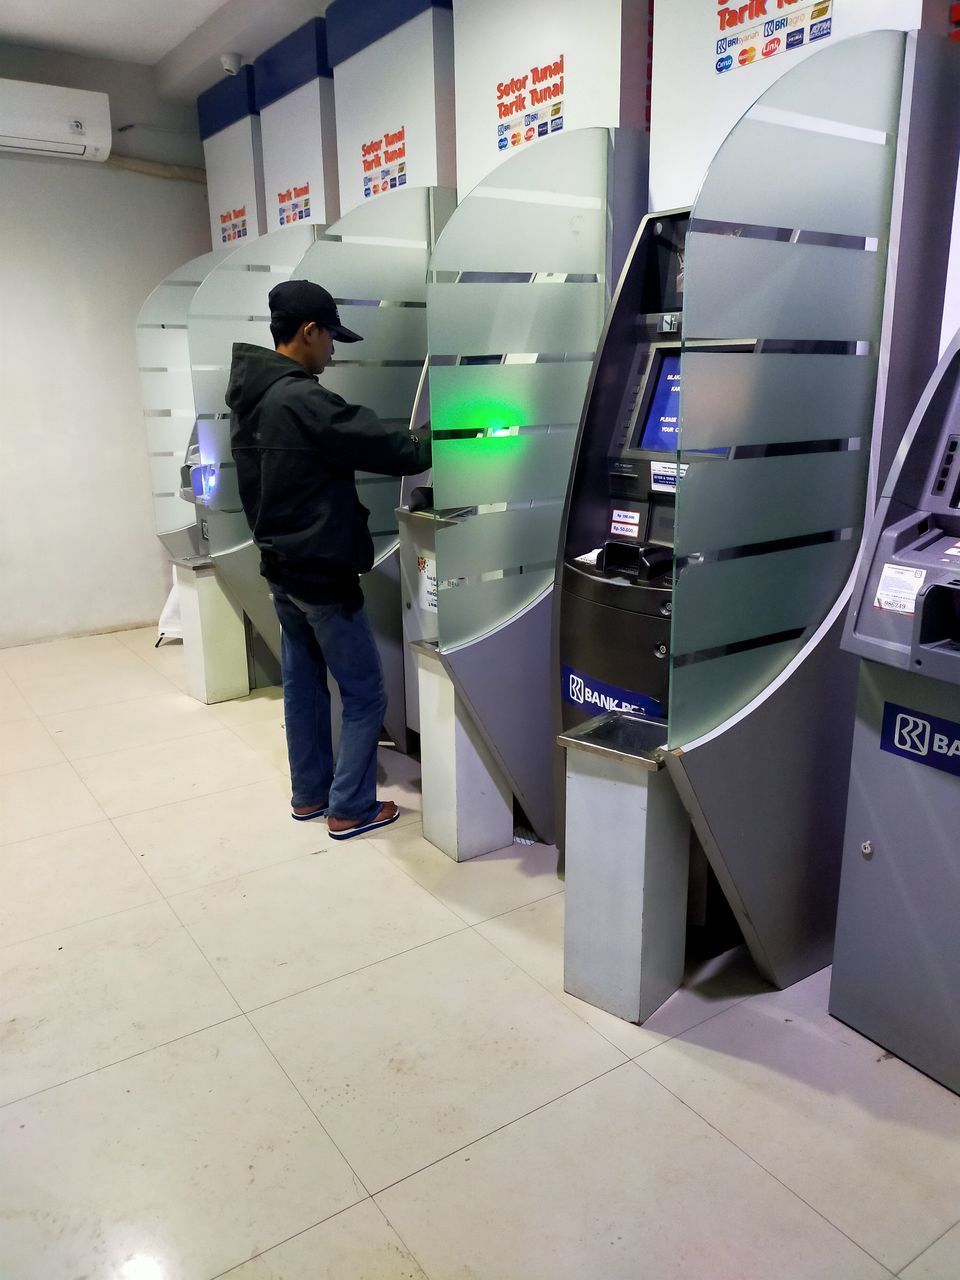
(658, 432)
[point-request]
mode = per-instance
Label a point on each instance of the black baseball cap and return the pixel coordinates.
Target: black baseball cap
(304, 300)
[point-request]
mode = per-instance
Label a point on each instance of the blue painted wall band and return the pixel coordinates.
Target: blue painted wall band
(292, 62)
(354, 25)
(231, 99)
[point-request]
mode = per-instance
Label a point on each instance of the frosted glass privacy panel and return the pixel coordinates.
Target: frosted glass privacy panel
(231, 306)
(374, 261)
(169, 411)
(515, 309)
(784, 279)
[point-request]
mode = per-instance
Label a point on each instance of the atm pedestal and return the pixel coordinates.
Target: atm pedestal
(467, 804)
(896, 971)
(627, 865)
(214, 638)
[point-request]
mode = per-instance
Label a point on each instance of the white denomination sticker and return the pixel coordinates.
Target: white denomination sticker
(624, 530)
(627, 517)
(898, 589)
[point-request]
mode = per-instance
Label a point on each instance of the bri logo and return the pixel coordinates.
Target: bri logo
(595, 696)
(924, 739)
(912, 734)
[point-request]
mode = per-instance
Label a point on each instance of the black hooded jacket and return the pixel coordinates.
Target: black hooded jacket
(296, 447)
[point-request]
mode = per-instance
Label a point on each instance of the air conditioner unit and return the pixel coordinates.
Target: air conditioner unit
(46, 120)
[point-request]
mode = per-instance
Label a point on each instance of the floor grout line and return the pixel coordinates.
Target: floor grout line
(80, 924)
(117, 1062)
(507, 1124)
(928, 1247)
(454, 933)
(769, 1172)
(383, 1213)
(307, 1104)
(472, 924)
(296, 1235)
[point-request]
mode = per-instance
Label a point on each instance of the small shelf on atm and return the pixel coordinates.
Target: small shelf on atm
(621, 734)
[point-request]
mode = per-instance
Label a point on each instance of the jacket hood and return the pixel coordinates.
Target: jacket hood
(254, 370)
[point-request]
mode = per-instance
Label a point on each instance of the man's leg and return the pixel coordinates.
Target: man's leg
(351, 654)
(306, 707)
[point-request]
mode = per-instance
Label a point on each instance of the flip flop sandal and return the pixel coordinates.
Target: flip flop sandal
(309, 817)
(363, 827)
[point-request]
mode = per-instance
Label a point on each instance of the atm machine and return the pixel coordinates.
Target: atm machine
(520, 281)
(896, 967)
(612, 642)
(374, 262)
(704, 571)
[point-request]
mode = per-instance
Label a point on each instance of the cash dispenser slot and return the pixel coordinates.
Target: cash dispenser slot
(634, 561)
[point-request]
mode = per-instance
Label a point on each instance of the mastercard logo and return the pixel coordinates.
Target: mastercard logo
(747, 55)
(771, 47)
(515, 139)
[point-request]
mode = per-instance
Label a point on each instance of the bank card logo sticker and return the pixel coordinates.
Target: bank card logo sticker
(543, 128)
(755, 41)
(924, 739)
(595, 696)
(556, 124)
(898, 589)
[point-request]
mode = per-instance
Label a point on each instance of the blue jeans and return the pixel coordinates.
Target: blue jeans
(317, 638)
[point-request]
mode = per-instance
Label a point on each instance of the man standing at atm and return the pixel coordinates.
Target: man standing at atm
(297, 447)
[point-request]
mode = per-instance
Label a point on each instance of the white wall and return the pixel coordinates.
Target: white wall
(163, 131)
(81, 246)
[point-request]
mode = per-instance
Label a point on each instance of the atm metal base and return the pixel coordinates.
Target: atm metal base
(896, 969)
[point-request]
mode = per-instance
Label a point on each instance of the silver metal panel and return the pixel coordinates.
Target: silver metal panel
(896, 968)
(774, 847)
(626, 899)
(505, 682)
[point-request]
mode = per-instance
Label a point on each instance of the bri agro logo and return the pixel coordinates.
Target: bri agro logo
(926, 739)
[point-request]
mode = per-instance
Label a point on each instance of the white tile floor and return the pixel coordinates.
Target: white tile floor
(230, 1046)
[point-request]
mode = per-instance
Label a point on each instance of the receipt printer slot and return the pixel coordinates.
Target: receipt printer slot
(936, 629)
